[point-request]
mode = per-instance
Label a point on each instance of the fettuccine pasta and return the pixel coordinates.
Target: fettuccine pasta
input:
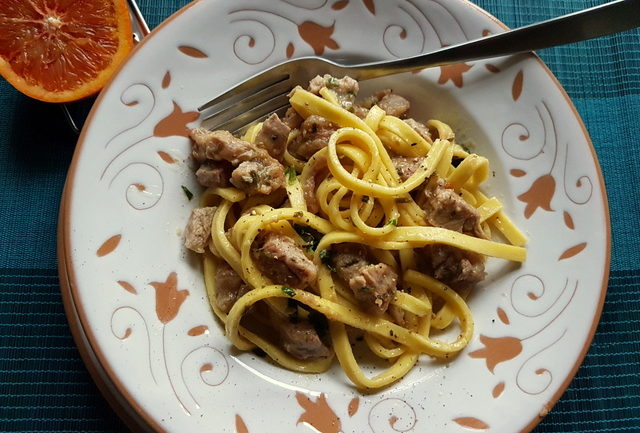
(345, 225)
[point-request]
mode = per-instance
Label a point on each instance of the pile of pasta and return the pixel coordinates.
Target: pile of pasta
(362, 200)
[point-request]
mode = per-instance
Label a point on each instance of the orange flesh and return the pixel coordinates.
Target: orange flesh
(53, 46)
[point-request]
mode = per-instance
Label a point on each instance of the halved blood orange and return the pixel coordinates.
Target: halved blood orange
(62, 50)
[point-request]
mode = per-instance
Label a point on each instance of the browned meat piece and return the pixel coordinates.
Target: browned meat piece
(397, 314)
(360, 111)
(346, 88)
(256, 172)
(200, 138)
(196, 235)
(273, 136)
(340, 85)
(313, 135)
(348, 259)
(392, 103)
(214, 174)
(258, 176)
(292, 119)
(454, 266)
(445, 208)
(374, 285)
(229, 287)
(316, 84)
(419, 127)
(302, 341)
(318, 172)
(222, 146)
(406, 165)
(284, 262)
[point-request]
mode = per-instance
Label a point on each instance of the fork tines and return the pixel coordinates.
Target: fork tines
(240, 122)
(247, 103)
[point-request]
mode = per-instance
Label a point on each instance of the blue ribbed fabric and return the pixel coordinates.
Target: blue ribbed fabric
(44, 386)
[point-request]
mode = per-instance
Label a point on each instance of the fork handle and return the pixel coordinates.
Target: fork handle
(613, 17)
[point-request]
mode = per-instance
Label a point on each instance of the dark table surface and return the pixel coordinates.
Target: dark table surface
(44, 385)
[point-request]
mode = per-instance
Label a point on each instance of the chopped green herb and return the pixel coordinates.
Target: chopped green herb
(365, 198)
(325, 258)
(291, 175)
(365, 289)
(188, 193)
(393, 222)
(288, 291)
(414, 144)
(465, 148)
(332, 83)
(310, 237)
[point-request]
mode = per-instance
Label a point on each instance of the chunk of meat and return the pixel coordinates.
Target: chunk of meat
(348, 259)
(318, 170)
(258, 176)
(292, 119)
(198, 230)
(455, 267)
(313, 135)
(222, 146)
(392, 103)
(301, 340)
(340, 85)
(406, 165)
(420, 128)
(345, 88)
(444, 208)
(283, 261)
(229, 287)
(256, 171)
(397, 314)
(360, 111)
(374, 285)
(214, 174)
(273, 136)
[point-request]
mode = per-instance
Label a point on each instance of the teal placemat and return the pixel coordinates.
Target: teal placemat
(44, 386)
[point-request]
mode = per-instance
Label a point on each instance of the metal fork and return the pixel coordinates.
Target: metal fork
(267, 92)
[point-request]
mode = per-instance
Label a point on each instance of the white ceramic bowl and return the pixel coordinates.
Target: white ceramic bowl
(136, 299)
